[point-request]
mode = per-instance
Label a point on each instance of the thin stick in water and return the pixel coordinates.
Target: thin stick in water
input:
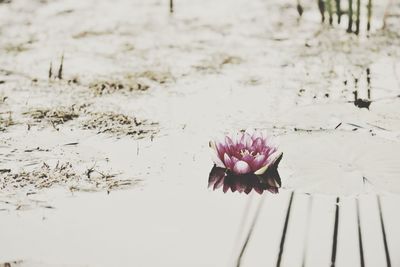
(281, 246)
(321, 6)
(253, 224)
(242, 223)
(171, 6)
(335, 234)
(338, 11)
(369, 83)
(330, 12)
(350, 14)
(50, 70)
(299, 8)
(359, 234)
(369, 13)
(309, 211)
(358, 17)
(60, 70)
(388, 262)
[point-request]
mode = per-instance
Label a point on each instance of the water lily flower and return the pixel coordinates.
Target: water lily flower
(245, 161)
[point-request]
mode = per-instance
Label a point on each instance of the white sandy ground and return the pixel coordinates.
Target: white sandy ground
(232, 65)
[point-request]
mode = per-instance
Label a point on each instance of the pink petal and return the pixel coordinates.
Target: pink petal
(228, 142)
(215, 158)
(246, 140)
(256, 135)
(221, 149)
(234, 160)
(241, 167)
(228, 162)
(258, 162)
(258, 145)
(248, 158)
(250, 131)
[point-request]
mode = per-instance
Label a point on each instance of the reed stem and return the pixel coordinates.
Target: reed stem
(358, 17)
(350, 14)
(369, 8)
(321, 6)
(330, 12)
(338, 11)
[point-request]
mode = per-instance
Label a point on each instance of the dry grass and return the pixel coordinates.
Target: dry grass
(120, 125)
(55, 116)
(108, 87)
(130, 82)
(216, 62)
(6, 121)
(62, 174)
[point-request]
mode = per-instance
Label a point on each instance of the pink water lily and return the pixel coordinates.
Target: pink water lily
(245, 161)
